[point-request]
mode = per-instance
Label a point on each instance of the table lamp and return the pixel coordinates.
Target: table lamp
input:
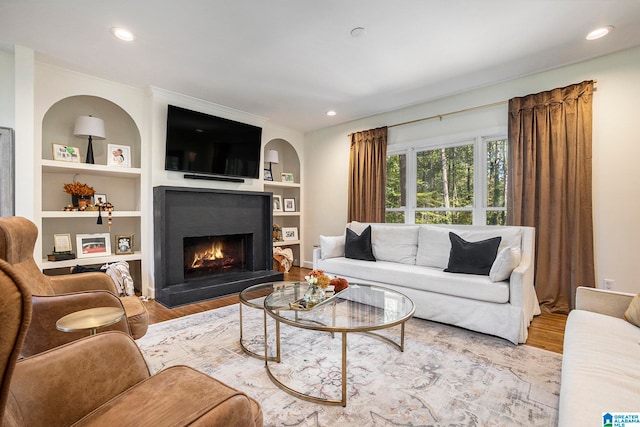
(272, 157)
(91, 127)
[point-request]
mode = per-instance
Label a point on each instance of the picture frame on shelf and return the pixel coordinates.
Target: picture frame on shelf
(99, 198)
(66, 153)
(124, 244)
(289, 204)
(119, 155)
(277, 203)
(93, 245)
(62, 242)
(289, 233)
(286, 177)
(267, 175)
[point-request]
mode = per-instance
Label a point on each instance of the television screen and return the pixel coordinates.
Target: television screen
(204, 144)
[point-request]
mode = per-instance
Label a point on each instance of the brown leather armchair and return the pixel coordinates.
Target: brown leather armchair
(102, 380)
(57, 296)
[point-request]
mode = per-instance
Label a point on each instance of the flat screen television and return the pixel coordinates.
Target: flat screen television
(203, 144)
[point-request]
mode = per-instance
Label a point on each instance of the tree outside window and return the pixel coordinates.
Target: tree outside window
(462, 183)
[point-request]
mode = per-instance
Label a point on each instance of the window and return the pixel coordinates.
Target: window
(453, 182)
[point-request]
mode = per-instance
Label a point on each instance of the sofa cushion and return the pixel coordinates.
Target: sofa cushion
(632, 314)
(599, 368)
(395, 244)
(358, 246)
(418, 277)
(506, 261)
(472, 257)
(332, 246)
(434, 244)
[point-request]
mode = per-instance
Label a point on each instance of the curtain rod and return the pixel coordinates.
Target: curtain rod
(440, 116)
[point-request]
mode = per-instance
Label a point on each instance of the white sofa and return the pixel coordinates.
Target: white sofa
(411, 258)
(600, 360)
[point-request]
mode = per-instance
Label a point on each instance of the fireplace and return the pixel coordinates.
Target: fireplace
(210, 243)
(209, 255)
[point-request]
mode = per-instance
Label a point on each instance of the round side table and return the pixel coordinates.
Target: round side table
(90, 319)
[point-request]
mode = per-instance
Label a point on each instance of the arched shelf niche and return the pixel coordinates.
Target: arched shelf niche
(288, 210)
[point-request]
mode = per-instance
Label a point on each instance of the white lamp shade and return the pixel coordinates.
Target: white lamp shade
(87, 126)
(271, 156)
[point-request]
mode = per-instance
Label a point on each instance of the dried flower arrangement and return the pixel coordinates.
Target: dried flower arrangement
(79, 189)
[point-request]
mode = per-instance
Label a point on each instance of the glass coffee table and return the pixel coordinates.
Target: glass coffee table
(359, 308)
(253, 297)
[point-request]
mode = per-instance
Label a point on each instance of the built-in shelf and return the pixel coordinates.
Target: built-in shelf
(93, 260)
(281, 184)
(90, 214)
(287, 243)
(55, 166)
(279, 213)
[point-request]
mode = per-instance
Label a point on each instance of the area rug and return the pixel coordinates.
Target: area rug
(446, 376)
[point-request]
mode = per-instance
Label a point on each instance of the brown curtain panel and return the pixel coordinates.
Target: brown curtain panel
(550, 188)
(368, 175)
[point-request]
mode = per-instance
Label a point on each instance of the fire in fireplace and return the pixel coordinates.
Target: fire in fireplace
(209, 255)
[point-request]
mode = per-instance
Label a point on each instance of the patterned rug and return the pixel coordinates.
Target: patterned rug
(446, 376)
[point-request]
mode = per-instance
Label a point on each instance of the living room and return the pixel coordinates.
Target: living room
(35, 84)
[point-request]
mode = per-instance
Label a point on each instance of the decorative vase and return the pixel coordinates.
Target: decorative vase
(314, 295)
(80, 201)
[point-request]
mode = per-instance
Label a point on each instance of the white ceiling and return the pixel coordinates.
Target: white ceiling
(292, 60)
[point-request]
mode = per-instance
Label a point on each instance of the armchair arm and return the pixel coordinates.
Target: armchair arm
(66, 383)
(82, 282)
(42, 333)
(602, 301)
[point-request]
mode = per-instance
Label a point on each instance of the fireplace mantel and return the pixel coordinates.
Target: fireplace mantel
(182, 212)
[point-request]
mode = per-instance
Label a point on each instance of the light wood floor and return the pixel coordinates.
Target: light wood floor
(546, 331)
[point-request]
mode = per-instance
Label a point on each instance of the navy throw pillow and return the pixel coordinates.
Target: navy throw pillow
(358, 247)
(472, 257)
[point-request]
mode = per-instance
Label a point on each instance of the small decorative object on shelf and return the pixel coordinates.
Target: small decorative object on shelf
(66, 153)
(318, 282)
(119, 155)
(277, 233)
(62, 249)
(124, 244)
(289, 204)
(290, 233)
(286, 177)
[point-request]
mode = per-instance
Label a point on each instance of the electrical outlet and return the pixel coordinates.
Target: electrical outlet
(608, 283)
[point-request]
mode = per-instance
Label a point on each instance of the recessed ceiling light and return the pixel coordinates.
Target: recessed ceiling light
(599, 32)
(358, 32)
(123, 34)
(331, 113)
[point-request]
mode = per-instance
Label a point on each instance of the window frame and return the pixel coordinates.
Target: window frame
(479, 140)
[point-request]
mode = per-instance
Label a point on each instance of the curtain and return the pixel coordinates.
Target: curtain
(550, 189)
(367, 175)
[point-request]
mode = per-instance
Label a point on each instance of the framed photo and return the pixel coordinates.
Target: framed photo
(99, 198)
(124, 244)
(286, 177)
(66, 153)
(93, 245)
(267, 175)
(119, 155)
(277, 203)
(289, 233)
(62, 243)
(289, 204)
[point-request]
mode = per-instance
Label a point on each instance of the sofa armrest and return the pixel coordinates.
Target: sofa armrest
(82, 282)
(66, 374)
(42, 334)
(316, 256)
(603, 301)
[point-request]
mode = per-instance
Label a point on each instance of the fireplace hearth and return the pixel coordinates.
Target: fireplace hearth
(210, 243)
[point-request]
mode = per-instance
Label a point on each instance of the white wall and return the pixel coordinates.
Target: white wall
(616, 150)
(7, 89)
